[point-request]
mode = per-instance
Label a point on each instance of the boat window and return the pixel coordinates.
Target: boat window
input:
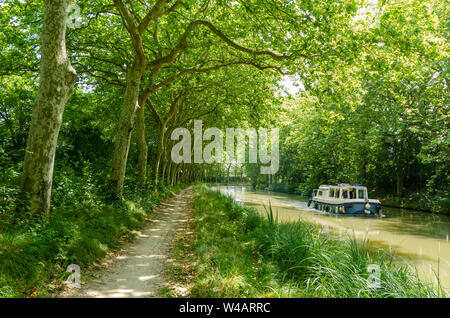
(352, 193)
(361, 194)
(331, 194)
(336, 193)
(320, 193)
(344, 193)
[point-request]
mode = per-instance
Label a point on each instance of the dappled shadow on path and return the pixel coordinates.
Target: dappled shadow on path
(138, 270)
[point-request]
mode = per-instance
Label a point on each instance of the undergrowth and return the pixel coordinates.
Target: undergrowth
(83, 226)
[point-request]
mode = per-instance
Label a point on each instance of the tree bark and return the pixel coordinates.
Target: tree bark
(163, 169)
(167, 162)
(131, 97)
(179, 174)
(157, 159)
(399, 182)
(141, 144)
(57, 79)
(174, 175)
(173, 171)
(123, 137)
(169, 173)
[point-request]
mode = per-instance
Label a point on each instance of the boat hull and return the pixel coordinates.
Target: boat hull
(346, 207)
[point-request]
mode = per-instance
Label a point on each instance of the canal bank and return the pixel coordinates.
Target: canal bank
(419, 202)
(229, 250)
(420, 239)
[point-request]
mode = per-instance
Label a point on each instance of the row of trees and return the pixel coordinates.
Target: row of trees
(163, 63)
(380, 119)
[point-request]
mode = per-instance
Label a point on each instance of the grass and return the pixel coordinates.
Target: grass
(232, 251)
(84, 225)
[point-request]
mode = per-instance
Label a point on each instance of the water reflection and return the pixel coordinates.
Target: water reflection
(420, 239)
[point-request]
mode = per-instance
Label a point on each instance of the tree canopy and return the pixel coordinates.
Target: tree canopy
(373, 104)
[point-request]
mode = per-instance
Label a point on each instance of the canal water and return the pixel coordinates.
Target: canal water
(418, 239)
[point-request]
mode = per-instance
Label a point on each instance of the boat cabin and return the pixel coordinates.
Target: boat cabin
(344, 198)
(341, 192)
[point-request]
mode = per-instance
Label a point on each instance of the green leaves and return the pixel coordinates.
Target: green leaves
(377, 114)
(375, 98)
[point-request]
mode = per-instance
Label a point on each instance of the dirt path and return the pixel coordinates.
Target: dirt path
(137, 270)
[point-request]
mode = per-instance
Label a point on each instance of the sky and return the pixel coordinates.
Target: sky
(292, 85)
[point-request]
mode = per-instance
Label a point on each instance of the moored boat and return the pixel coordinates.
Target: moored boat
(344, 199)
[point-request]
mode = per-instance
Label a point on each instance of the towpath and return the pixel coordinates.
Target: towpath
(137, 271)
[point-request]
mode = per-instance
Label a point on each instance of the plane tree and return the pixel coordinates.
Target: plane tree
(57, 80)
(276, 33)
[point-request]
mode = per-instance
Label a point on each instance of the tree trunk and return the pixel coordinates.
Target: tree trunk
(122, 142)
(141, 144)
(157, 159)
(164, 170)
(363, 167)
(57, 79)
(399, 182)
(172, 173)
(180, 171)
(167, 163)
(168, 171)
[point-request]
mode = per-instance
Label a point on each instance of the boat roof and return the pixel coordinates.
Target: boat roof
(341, 185)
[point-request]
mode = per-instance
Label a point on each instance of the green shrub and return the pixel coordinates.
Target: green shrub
(84, 225)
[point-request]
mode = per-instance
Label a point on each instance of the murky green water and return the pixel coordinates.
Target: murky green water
(419, 239)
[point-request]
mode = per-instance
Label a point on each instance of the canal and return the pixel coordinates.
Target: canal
(419, 239)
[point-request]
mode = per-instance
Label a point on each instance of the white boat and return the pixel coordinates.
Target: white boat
(344, 199)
